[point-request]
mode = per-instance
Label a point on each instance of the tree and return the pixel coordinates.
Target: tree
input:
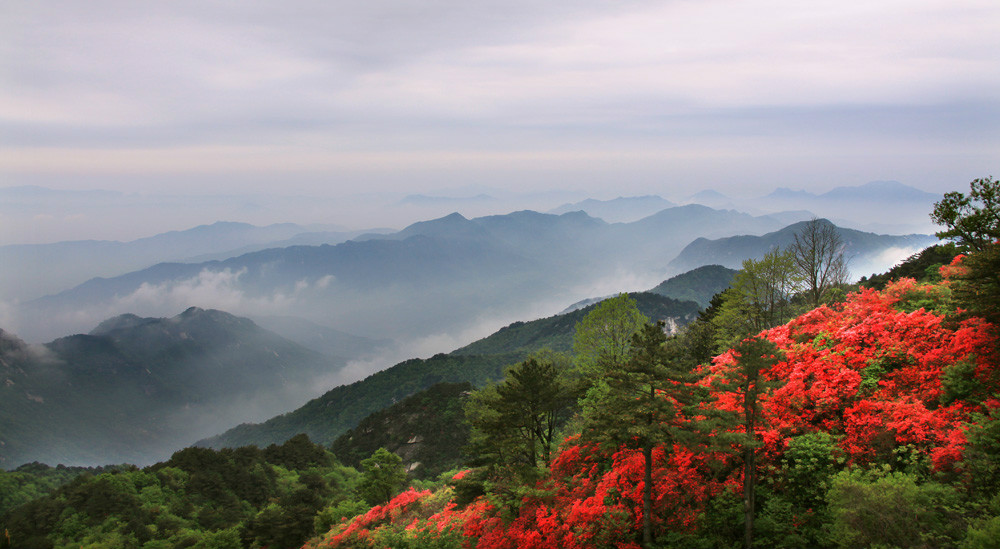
(516, 420)
(977, 283)
(818, 255)
(638, 404)
(745, 382)
(603, 338)
(513, 429)
(973, 220)
(759, 298)
(383, 477)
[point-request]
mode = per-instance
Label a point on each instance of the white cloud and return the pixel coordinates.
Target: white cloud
(216, 290)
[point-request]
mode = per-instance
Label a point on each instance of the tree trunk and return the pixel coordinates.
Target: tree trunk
(749, 465)
(749, 488)
(647, 496)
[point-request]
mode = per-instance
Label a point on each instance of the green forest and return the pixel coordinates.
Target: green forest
(795, 410)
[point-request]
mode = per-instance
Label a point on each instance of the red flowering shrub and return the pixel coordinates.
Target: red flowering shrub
(885, 375)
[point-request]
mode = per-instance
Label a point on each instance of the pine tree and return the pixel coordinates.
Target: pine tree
(383, 477)
(746, 382)
(639, 404)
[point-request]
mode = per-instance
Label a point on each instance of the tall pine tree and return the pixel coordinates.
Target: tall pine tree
(745, 381)
(639, 404)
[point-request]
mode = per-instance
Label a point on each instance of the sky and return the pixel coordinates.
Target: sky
(590, 98)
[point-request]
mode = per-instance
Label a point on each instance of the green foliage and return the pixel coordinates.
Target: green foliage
(34, 480)
(977, 290)
(515, 421)
(982, 534)
(333, 514)
(514, 425)
(974, 220)
(958, 382)
(794, 510)
(870, 376)
(199, 498)
(759, 299)
(981, 461)
(746, 382)
(603, 338)
(383, 477)
(298, 452)
(879, 508)
(638, 402)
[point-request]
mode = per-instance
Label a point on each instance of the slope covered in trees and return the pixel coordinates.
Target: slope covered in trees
(272, 497)
(327, 417)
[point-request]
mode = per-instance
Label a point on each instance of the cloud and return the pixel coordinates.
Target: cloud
(890, 257)
(880, 262)
(639, 95)
(216, 290)
(191, 73)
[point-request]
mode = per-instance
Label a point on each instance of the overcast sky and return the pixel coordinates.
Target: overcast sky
(605, 98)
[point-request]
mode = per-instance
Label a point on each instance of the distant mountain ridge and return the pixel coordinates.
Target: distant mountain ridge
(863, 250)
(431, 277)
(618, 210)
(135, 389)
(877, 206)
(48, 268)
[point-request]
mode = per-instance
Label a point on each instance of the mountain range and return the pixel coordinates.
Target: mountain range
(618, 210)
(47, 268)
(430, 278)
(866, 252)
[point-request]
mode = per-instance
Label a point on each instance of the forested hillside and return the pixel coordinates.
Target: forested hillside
(328, 416)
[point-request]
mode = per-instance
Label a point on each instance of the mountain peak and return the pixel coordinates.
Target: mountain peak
(786, 193)
(880, 190)
(120, 322)
(192, 311)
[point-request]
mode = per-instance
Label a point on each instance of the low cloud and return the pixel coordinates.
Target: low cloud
(882, 261)
(222, 290)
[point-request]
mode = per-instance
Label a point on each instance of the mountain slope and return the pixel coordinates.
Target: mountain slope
(426, 429)
(698, 285)
(327, 417)
(135, 389)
